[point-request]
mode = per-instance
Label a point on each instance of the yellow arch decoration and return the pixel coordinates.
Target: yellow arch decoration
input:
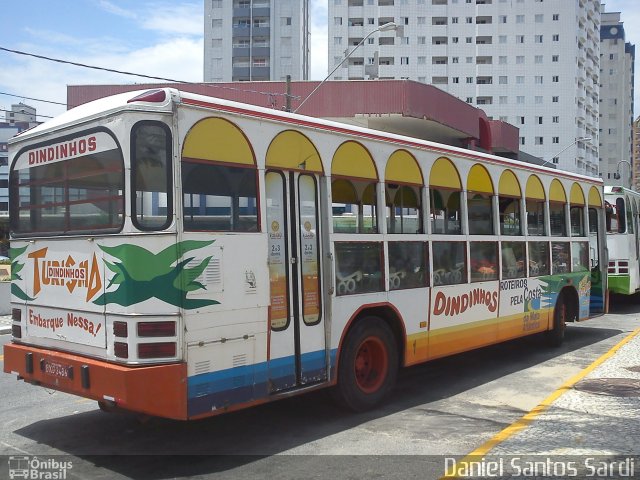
(444, 174)
(402, 167)
(509, 185)
(353, 160)
(556, 192)
(479, 180)
(577, 195)
(292, 150)
(595, 200)
(534, 189)
(218, 140)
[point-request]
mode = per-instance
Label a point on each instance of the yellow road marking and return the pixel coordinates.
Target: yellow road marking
(523, 422)
(1, 358)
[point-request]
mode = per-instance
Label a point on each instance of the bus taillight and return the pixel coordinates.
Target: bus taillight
(16, 314)
(120, 329)
(16, 331)
(157, 329)
(157, 350)
(121, 350)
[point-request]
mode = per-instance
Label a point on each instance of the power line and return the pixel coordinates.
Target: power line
(34, 99)
(122, 72)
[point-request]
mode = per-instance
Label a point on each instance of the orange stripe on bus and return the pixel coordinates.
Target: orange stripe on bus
(441, 342)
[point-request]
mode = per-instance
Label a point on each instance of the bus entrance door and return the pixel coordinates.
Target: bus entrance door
(297, 346)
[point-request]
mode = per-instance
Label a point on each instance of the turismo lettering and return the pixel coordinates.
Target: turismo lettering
(65, 273)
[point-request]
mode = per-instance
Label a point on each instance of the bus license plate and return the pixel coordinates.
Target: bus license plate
(57, 369)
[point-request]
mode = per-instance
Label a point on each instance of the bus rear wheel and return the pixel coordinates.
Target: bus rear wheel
(368, 365)
(555, 336)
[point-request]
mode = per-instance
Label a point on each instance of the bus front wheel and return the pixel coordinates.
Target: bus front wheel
(368, 365)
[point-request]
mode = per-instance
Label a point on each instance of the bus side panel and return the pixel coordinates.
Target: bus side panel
(463, 317)
(525, 306)
(226, 334)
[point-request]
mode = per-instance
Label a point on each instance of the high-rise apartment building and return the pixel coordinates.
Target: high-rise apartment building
(616, 101)
(635, 132)
(21, 117)
(532, 63)
(256, 40)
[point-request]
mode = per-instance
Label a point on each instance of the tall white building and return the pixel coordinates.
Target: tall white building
(616, 101)
(256, 40)
(532, 63)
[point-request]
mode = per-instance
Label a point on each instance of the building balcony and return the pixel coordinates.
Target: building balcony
(241, 31)
(240, 52)
(261, 31)
(261, 51)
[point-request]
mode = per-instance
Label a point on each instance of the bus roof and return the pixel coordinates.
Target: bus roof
(123, 101)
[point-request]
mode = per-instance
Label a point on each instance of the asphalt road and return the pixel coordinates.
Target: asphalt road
(445, 408)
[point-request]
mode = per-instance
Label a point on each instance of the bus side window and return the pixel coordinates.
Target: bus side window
(483, 261)
(354, 206)
(358, 267)
(445, 211)
(408, 265)
(557, 219)
(219, 198)
(449, 263)
(404, 209)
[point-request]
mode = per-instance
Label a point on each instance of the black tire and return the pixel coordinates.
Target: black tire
(368, 365)
(105, 407)
(555, 336)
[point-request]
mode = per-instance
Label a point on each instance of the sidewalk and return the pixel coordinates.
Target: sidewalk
(593, 417)
(5, 324)
(595, 413)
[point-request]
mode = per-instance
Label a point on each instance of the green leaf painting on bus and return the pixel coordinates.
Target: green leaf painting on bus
(16, 268)
(141, 275)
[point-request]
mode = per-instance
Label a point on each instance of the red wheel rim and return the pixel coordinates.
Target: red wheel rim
(371, 364)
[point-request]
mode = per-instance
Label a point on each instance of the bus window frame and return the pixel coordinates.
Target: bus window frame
(398, 188)
(14, 206)
(169, 179)
(209, 163)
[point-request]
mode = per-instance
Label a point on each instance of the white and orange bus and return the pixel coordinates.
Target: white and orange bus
(181, 256)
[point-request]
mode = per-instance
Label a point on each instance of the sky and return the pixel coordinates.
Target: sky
(153, 37)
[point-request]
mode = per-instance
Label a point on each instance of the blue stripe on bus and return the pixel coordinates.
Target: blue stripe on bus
(215, 390)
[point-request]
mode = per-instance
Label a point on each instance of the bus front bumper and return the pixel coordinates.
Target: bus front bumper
(158, 390)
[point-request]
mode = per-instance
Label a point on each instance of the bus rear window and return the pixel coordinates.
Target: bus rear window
(51, 193)
(151, 175)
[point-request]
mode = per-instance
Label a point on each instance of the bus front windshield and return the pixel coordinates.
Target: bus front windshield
(615, 216)
(68, 187)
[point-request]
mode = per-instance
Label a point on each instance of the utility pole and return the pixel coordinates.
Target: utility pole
(288, 95)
